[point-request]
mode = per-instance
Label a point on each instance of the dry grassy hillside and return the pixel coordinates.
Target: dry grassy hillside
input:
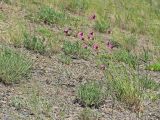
(79, 59)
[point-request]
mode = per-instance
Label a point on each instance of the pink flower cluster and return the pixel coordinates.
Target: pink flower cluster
(82, 37)
(90, 36)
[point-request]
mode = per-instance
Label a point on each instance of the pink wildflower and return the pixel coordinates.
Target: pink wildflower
(109, 45)
(91, 33)
(80, 35)
(95, 47)
(91, 36)
(67, 31)
(93, 17)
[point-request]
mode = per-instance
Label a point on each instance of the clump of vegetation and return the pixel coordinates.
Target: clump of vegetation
(50, 16)
(13, 66)
(90, 94)
(53, 46)
(103, 59)
(123, 85)
(154, 67)
(127, 86)
(34, 43)
(45, 32)
(87, 114)
(130, 42)
(34, 103)
(76, 6)
(2, 16)
(38, 104)
(75, 50)
(126, 40)
(149, 84)
(126, 91)
(7, 1)
(16, 33)
(65, 59)
(52, 40)
(101, 26)
(126, 57)
(145, 56)
(17, 102)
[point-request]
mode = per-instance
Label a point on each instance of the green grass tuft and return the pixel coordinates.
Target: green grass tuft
(126, 57)
(34, 43)
(45, 32)
(101, 26)
(17, 102)
(7, 1)
(2, 16)
(13, 66)
(126, 91)
(154, 67)
(123, 84)
(90, 94)
(76, 6)
(87, 114)
(65, 59)
(51, 16)
(75, 50)
(149, 84)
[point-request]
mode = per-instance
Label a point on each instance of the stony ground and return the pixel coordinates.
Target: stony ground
(57, 83)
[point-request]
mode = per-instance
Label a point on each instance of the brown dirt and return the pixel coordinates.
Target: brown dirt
(58, 83)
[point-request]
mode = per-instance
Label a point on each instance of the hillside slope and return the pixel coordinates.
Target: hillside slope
(79, 59)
